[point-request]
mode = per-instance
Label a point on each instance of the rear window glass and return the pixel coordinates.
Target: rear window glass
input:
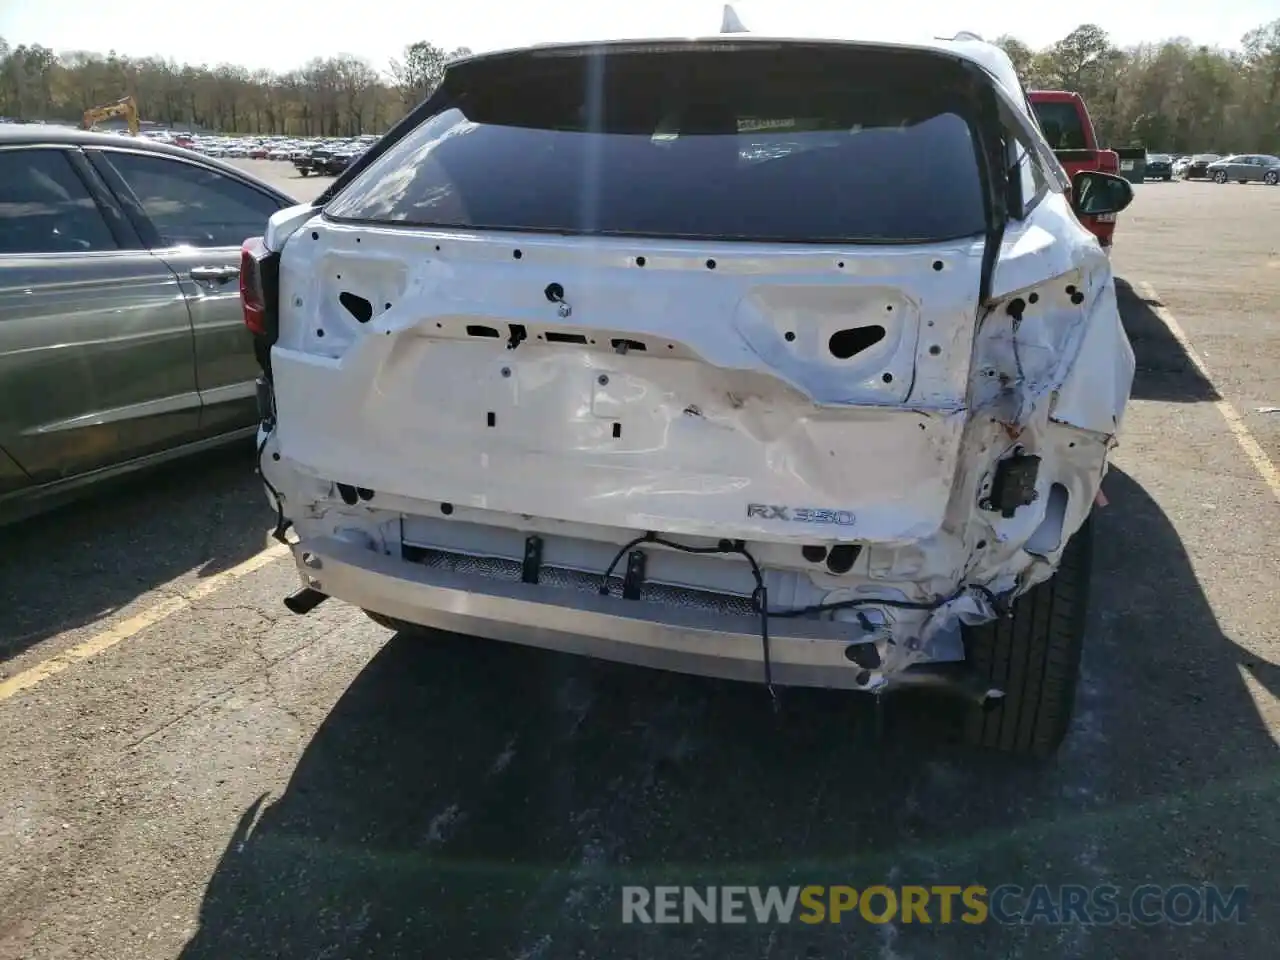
(776, 144)
(1061, 124)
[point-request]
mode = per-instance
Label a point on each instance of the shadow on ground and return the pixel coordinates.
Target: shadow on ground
(73, 566)
(1164, 371)
(467, 799)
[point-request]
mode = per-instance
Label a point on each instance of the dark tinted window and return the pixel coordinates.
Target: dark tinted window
(1061, 124)
(780, 144)
(192, 205)
(45, 206)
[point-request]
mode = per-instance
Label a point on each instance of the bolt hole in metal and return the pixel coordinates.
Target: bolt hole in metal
(517, 254)
(851, 341)
(711, 264)
(357, 306)
(640, 261)
(934, 350)
(446, 508)
(1033, 298)
(937, 264)
(554, 293)
(789, 336)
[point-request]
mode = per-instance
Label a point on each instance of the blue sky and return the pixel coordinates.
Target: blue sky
(282, 35)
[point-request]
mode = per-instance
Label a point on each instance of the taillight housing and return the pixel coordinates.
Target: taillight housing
(1108, 161)
(260, 289)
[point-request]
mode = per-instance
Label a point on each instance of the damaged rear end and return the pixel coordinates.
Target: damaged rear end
(760, 360)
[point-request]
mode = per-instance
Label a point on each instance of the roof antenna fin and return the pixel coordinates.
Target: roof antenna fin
(730, 23)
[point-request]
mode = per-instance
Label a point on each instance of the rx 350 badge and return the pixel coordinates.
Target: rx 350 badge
(774, 511)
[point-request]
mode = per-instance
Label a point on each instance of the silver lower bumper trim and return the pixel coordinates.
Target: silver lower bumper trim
(803, 652)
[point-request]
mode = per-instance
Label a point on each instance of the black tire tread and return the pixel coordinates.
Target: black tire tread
(1034, 656)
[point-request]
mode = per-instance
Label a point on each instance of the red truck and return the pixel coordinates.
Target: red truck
(1065, 121)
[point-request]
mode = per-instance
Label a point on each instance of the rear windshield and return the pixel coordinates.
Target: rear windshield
(768, 143)
(1060, 121)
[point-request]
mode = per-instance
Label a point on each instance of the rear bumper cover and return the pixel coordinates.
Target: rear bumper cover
(803, 652)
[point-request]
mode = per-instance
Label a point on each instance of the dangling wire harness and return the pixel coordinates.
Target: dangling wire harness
(282, 523)
(760, 595)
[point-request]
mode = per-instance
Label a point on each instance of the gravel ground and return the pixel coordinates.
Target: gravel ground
(231, 781)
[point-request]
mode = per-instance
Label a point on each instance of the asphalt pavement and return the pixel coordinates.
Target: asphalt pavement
(187, 770)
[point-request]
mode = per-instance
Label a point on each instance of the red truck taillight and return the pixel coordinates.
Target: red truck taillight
(259, 288)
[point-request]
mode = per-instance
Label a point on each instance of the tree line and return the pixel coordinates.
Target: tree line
(1175, 95)
(334, 96)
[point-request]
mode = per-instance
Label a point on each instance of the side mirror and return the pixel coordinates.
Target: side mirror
(1094, 193)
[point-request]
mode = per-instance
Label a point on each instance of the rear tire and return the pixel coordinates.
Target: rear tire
(1034, 656)
(1271, 178)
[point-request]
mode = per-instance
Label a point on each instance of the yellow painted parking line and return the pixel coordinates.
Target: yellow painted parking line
(137, 623)
(1235, 423)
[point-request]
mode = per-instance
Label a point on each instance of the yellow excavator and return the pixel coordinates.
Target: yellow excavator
(126, 107)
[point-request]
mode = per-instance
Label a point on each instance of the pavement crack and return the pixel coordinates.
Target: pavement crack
(169, 724)
(276, 695)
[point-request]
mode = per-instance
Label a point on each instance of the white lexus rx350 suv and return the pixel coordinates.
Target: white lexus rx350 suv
(778, 360)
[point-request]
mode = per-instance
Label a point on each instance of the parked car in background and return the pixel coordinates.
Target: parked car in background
(317, 160)
(121, 341)
(1197, 168)
(1246, 168)
(641, 427)
(303, 163)
(1065, 120)
(1159, 166)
